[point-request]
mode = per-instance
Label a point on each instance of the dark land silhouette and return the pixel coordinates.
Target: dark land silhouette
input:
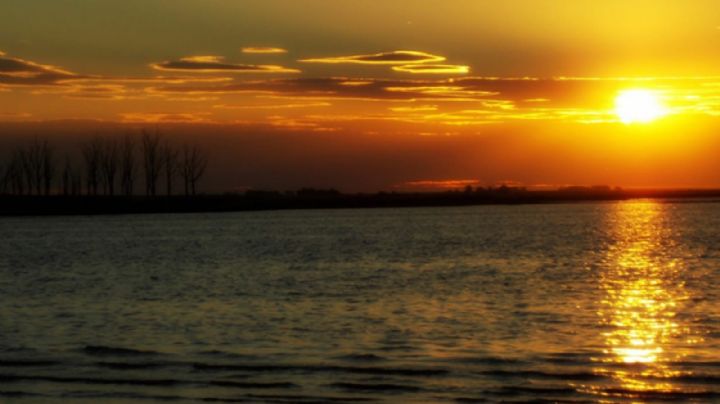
(11, 205)
(146, 172)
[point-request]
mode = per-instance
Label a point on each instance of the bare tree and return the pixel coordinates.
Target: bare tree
(4, 179)
(25, 166)
(47, 162)
(76, 183)
(171, 165)
(67, 177)
(152, 161)
(108, 165)
(193, 165)
(15, 173)
(92, 155)
(30, 169)
(32, 161)
(127, 165)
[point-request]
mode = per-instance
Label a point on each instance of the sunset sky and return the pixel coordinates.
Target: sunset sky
(368, 95)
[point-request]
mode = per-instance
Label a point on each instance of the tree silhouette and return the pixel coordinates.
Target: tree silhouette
(152, 161)
(67, 175)
(92, 155)
(108, 165)
(170, 162)
(127, 165)
(46, 157)
(193, 165)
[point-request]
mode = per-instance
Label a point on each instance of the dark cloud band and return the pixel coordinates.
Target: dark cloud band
(215, 64)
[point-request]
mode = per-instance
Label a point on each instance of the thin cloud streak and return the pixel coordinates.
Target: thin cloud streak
(432, 69)
(263, 50)
(16, 71)
(216, 64)
(398, 57)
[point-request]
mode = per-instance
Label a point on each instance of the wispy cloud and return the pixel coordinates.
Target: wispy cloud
(432, 69)
(399, 57)
(157, 80)
(274, 106)
(439, 184)
(262, 49)
(154, 117)
(92, 91)
(16, 71)
(413, 108)
(216, 64)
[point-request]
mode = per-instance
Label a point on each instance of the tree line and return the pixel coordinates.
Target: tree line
(104, 166)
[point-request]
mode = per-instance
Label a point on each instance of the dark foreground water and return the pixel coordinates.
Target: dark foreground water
(588, 302)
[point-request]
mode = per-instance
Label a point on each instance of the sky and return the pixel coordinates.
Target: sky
(369, 94)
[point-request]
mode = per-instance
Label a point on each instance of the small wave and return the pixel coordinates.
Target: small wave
(322, 369)
(568, 358)
(91, 380)
(19, 394)
(487, 360)
(394, 371)
(147, 382)
(663, 395)
(27, 363)
(229, 355)
(131, 365)
(698, 378)
(120, 395)
(527, 374)
(16, 349)
(534, 391)
(361, 358)
(534, 401)
(303, 398)
(379, 387)
(101, 350)
(249, 368)
(708, 364)
(256, 385)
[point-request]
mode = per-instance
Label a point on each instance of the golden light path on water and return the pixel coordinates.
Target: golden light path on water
(644, 292)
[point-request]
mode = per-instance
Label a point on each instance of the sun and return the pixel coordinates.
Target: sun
(638, 106)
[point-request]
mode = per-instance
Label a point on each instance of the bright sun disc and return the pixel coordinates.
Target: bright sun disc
(638, 106)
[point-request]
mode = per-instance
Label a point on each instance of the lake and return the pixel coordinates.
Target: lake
(564, 302)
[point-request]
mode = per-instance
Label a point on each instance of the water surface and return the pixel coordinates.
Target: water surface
(569, 302)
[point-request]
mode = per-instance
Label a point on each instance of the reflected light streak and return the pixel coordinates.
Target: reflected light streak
(644, 292)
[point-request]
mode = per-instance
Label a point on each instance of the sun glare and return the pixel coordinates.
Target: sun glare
(638, 106)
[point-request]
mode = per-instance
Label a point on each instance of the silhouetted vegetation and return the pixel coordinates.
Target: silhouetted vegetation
(103, 173)
(308, 198)
(101, 166)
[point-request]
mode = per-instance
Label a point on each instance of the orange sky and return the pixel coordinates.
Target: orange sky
(358, 96)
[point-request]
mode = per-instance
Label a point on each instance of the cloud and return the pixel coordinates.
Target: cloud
(16, 71)
(432, 69)
(215, 64)
(399, 57)
(150, 80)
(262, 49)
(153, 117)
(93, 91)
(274, 106)
(418, 108)
(439, 184)
(339, 88)
(15, 115)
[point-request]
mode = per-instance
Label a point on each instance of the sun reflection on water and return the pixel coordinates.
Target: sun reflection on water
(644, 293)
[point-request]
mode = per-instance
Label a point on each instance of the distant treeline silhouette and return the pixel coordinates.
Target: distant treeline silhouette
(102, 165)
(310, 198)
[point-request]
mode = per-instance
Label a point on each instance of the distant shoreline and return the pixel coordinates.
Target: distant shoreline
(13, 205)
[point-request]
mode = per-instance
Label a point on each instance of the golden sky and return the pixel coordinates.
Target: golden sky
(529, 76)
